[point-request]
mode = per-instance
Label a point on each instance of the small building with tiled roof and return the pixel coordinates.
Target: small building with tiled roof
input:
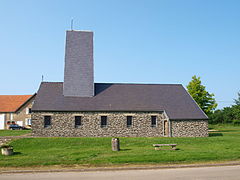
(80, 107)
(15, 109)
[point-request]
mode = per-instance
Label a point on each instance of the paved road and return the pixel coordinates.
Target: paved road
(205, 173)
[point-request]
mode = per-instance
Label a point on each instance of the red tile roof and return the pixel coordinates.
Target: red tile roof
(10, 103)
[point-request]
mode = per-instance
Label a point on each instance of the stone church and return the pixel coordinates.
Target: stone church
(78, 107)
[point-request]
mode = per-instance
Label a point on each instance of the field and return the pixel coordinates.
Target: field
(221, 145)
(14, 132)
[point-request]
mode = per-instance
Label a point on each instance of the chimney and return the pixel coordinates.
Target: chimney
(78, 72)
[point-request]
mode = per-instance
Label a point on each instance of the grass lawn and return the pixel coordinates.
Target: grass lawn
(220, 146)
(14, 132)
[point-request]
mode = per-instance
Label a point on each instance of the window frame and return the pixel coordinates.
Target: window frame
(103, 118)
(75, 120)
(129, 119)
(28, 121)
(49, 124)
(11, 116)
(153, 119)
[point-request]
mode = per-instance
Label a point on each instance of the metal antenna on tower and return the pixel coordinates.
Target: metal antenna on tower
(42, 78)
(72, 24)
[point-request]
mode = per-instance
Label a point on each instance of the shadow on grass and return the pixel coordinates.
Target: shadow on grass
(17, 153)
(170, 150)
(230, 130)
(215, 134)
(125, 149)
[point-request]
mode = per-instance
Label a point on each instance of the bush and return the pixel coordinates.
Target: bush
(236, 121)
(226, 115)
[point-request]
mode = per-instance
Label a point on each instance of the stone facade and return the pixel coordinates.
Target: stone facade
(63, 125)
(189, 128)
(23, 114)
(20, 117)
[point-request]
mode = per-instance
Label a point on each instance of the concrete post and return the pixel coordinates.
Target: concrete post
(115, 144)
(7, 151)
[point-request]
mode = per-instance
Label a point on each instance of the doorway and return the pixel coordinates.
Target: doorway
(165, 128)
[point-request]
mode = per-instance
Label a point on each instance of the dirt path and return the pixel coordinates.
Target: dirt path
(7, 139)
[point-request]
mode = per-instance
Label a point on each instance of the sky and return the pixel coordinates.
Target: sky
(135, 41)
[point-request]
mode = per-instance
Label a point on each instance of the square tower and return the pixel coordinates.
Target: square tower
(78, 71)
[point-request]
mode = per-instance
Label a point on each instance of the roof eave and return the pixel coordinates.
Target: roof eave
(25, 102)
(33, 110)
(179, 119)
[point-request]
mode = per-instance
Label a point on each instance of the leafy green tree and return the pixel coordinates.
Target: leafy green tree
(226, 115)
(236, 113)
(216, 117)
(203, 98)
(237, 101)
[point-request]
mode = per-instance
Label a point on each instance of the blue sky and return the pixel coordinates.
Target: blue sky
(137, 41)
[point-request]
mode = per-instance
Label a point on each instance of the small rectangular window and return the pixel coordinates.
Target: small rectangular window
(153, 121)
(28, 122)
(78, 121)
(47, 121)
(11, 116)
(103, 121)
(28, 110)
(129, 121)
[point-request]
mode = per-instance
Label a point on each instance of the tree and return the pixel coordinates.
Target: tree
(237, 101)
(216, 117)
(203, 98)
(226, 115)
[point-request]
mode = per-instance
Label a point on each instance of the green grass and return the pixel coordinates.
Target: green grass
(14, 132)
(220, 146)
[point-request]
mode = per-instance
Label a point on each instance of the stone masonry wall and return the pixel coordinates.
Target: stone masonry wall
(189, 128)
(63, 124)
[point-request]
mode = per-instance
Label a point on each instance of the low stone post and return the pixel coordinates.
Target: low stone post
(115, 144)
(7, 150)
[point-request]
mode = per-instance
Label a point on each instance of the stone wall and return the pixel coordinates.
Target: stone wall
(63, 124)
(189, 128)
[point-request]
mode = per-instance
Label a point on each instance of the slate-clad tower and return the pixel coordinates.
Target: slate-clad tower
(78, 72)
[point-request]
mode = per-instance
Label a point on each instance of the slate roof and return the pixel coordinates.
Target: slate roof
(10, 103)
(171, 98)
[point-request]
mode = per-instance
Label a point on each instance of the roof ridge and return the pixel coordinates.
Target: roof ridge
(16, 95)
(177, 84)
(139, 84)
(50, 82)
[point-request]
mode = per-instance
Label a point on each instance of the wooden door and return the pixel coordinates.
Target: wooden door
(166, 129)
